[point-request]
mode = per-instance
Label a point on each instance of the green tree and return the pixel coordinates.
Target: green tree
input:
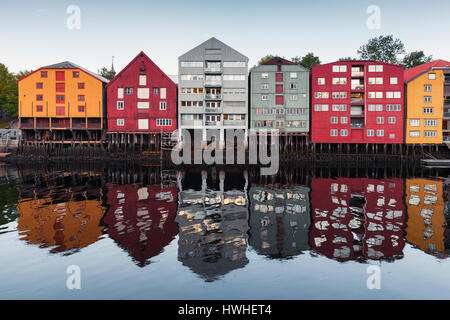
(415, 58)
(307, 61)
(384, 48)
(105, 73)
(8, 92)
(266, 58)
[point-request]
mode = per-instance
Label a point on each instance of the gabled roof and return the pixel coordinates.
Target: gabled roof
(68, 65)
(277, 61)
(142, 54)
(212, 43)
(412, 73)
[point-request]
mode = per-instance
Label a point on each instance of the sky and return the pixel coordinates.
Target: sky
(34, 33)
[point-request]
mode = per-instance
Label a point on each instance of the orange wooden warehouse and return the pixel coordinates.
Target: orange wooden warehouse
(62, 102)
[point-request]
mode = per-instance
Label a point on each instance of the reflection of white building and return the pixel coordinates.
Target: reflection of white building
(213, 227)
(279, 220)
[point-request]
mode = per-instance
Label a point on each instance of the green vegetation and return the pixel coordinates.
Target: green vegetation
(3, 123)
(9, 92)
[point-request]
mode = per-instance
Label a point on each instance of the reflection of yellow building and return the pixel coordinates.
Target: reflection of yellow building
(425, 214)
(66, 225)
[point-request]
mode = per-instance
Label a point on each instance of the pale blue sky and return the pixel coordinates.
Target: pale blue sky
(34, 33)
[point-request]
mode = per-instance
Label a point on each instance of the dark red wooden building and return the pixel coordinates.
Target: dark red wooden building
(357, 102)
(142, 99)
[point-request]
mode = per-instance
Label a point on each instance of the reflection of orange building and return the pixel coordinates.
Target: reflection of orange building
(425, 215)
(141, 219)
(65, 225)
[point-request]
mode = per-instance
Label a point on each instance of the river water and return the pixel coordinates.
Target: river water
(146, 232)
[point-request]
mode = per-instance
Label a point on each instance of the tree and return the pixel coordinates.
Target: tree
(307, 61)
(415, 58)
(266, 58)
(347, 59)
(105, 73)
(383, 48)
(8, 92)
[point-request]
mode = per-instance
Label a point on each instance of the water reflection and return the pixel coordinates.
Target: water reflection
(218, 216)
(357, 219)
(213, 228)
(280, 220)
(64, 215)
(141, 219)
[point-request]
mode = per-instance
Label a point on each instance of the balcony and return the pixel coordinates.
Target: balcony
(447, 102)
(357, 123)
(192, 123)
(357, 87)
(213, 83)
(356, 100)
(211, 96)
(446, 79)
(213, 123)
(213, 110)
(234, 122)
(357, 74)
(213, 69)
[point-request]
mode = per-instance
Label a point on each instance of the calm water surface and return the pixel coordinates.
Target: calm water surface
(140, 232)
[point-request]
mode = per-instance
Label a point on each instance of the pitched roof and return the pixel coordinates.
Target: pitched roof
(69, 65)
(143, 55)
(416, 71)
(278, 60)
(212, 43)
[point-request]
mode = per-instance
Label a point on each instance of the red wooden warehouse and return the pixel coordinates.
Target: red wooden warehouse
(142, 99)
(357, 102)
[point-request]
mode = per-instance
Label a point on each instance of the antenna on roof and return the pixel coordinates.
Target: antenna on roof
(112, 66)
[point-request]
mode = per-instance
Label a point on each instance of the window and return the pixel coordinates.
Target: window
(143, 105)
(380, 120)
(264, 75)
(120, 122)
(120, 105)
(339, 95)
(344, 120)
(76, 74)
(120, 93)
(43, 74)
(80, 108)
(293, 75)
(427, 99)
(39, 85)
(39, 97)
(321, 95)
(39, 108)
(293, 97)
(81, 85)
(143, 124)
(370, 133)
(264, 97)
(428, 110)
(162, 93)
(335, 107)
(427, 88)
(293, 86)
(143, 93)
(374, 81)
(429, 134)
(80, 97)
(375, 68)
(264, 86)
(344, 132)
(334, 120)
(414, 134)
(60, 99)
(414, 122)
(193, 77)
(321, 81)
(234, 64)
(343, 107)
(394, 80)
(162, 105)
(339, 81)
(192, 64)
(432, 76)
(391, 120)
(142, 80)
(391, 136)
(375, 95)
(128, 90)
(430, 122)
(155, 90)
(393, 107)
(164, 122)
(333, 132)
(380, 133)
(339, 68)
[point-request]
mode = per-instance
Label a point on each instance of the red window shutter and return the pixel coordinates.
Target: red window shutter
(279, 88)
(60, 87)
(279, 77)
(279, 100)
(59, 75)
(60, 111)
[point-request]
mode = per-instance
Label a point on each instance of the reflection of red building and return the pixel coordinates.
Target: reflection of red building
(141, 219)
(357, 219)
